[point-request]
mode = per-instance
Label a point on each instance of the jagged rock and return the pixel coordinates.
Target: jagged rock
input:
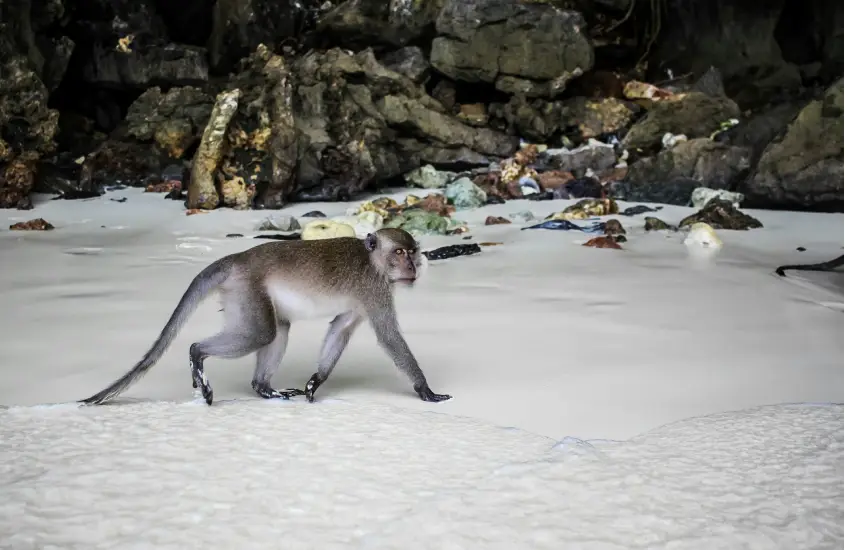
(534, 48)
(668, 176)
(721, 214)
(464, 194)
(444, 92)
(369, 22)
(428, 177)
(694, 115)
(140, 67)
(239, 26)
(676, 190)
(56, 53)
(174, 120)
(27, 127)
(116, 162)
(409, 61)
(805, 168)
(262, 136)
(702, 195)
(361, 123)
(596, 117)
(202, 191)
(760, 129)
(593, 155)
(535, 120)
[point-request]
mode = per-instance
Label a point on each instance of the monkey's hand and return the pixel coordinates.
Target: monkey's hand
(426, 394)
(265, 391)
(312, 385)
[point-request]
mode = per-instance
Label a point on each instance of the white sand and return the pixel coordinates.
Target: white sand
(539, 334)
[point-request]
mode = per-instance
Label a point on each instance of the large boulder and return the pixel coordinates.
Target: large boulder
(174, 120)
(364, 23)
(804, 169)
(672, 175)
(693, 114)
(28, 127)
(361, 123)
(533, 48)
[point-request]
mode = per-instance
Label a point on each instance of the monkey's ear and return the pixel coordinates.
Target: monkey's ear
(370, 242)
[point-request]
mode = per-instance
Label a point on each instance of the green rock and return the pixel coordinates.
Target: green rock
(428, 177)
(420, 222)
(464, 194)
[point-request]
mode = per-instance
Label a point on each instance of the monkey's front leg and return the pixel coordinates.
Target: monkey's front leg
(390, 338)
(335, 341)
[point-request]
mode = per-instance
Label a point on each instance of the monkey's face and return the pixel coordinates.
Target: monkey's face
(396, 254)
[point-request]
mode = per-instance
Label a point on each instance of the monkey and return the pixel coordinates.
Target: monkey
(267, 287)
(823, 266)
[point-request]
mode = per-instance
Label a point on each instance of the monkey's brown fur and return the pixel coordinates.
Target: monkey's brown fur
(265, 288)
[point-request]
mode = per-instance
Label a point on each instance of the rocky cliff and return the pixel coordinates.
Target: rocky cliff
(257, 103)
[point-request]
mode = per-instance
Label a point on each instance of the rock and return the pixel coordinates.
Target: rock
(602, 242)
(656, 224)
(639, 209)
(143, 66)
(474, 114)
(673, 175)
(525, 216)
(278, 223)
(554, 179)
(613, 227)
(694, 114)
(597, 117)
(580, 188)
(363, 223)
(326, 229)
(409, 61)
(760, 129)
(28, 126)
(464, 194)
(586, 208)
(369, 22)
(444, 92)
(420, 222)
(361, 123)
(721, 214)
(263, 136)
(703, 235)
(702, 195)
(511, 44)
(535, 119)
(594, 155)
(314, 214)
(804, 169)
(174, 120)
(428, 177)
(38, 224)
(239, 26)
(202, 192)
(436, 204)
(118, 162)
(496, 220)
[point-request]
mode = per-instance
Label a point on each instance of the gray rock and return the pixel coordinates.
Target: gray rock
(702, 195)
(428, 177)
(176, 64)
(511, 43)
(594, 155)
(464, 194)
(409, 61)
(278, 223)
(805, 168)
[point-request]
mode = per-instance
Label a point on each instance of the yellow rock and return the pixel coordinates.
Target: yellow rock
(704, 235)
(326, 229)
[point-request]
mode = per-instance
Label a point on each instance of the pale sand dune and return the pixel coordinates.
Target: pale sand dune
(538, 334)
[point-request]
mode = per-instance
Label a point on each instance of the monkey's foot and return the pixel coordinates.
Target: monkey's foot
(264, 390)
(198, 374)
(426, 394)
(313, 383)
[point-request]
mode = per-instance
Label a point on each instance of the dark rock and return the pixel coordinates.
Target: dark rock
(280, 236)
(689, 164)
(721, 214)
(594, 118)
(143, 66)
(677, 190)
(613, 227)
(710, 83)
(529, 48)
(56, 52)
(536, 120)
(694, 115)
(239, 26)
(804, 169)
(314, 214)
(452, 251)
(579, 188)
(656, 224)
(233, 235)
(758, 130)
(372, 22)
(17, 178)
(444, 92)
(119, 162)
(38, 224)
(409, 61)
(595, 156)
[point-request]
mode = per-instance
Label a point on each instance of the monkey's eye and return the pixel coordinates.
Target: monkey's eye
(400, 251)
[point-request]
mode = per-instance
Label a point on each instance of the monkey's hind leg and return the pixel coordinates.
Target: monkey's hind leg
(335, 341)
(267, 361)
(249, 326)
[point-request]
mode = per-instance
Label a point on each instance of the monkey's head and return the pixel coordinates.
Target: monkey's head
(396, 254)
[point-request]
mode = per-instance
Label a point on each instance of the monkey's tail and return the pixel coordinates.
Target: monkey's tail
(207, 280)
